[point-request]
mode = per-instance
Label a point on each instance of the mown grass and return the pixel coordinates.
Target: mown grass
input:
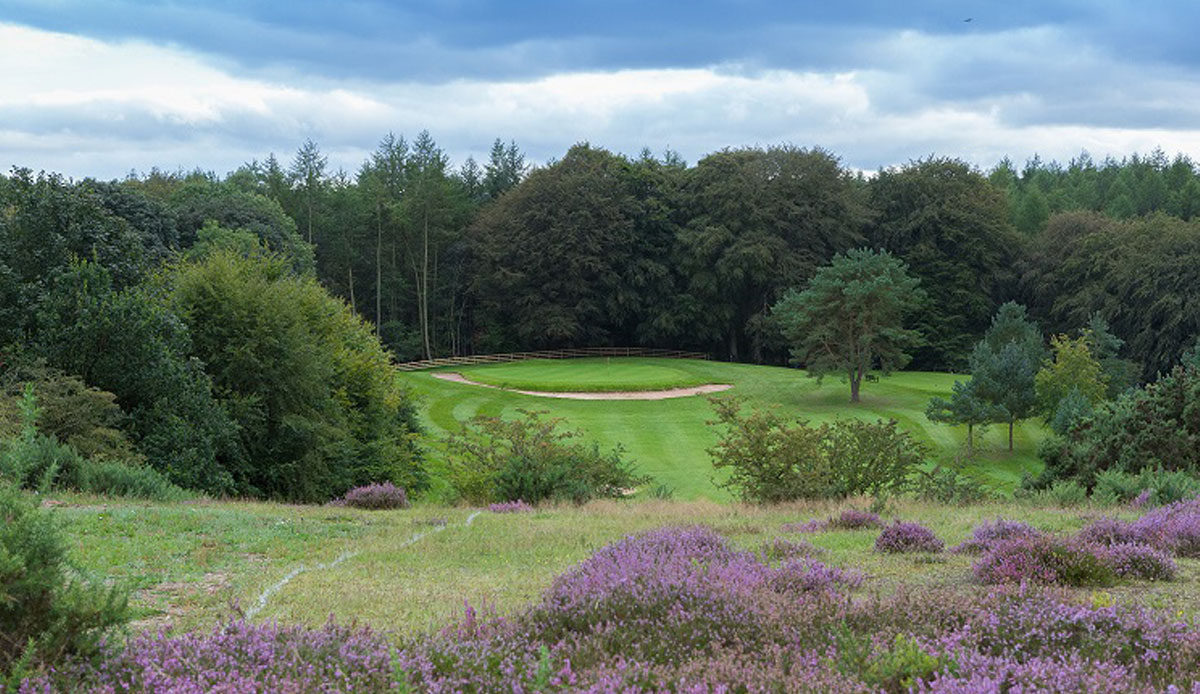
(586, 375)
(669, 439)
(193, 564)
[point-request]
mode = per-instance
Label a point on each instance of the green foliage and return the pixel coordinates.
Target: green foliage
(1120, 374)
(132, 344)
(1073, 372)
(37, 461)
(45, 615)
(899, 668)
(312, 392)
(850, 318)
(199, 202)
(1138, 274)
(1004, 365)
(45, 223)
(772, 460)
(927, 212)
(755, 222)
(1154, 427)
(1070, 411)
(1160, 486)
(532, 460)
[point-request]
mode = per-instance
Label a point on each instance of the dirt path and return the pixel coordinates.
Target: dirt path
(607, 395)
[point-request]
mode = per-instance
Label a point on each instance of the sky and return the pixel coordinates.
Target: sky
(105, 87)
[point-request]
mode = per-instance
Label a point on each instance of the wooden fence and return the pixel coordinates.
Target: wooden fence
(550, 354)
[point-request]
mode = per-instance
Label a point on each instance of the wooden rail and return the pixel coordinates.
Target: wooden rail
(550, 354)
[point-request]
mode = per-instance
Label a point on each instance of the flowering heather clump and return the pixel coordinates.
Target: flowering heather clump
(853, 519)
(1109, 531)
(376, 497)
(987, 534)
(517, 506)
(900, 538)
(1174, 528)
(808, 575)
(780, 548)
(1044, 560)
(1138, 560)
(241, 657)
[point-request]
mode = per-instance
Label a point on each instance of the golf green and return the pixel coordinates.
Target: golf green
(669, 439)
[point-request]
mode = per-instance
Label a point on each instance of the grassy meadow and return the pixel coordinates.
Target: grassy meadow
(194, 564)
(669, 439)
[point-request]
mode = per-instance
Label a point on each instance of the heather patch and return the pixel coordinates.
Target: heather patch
(682, 610)
(900, 538)
(1044, 560)
(985, 535)
(375, 497)
(517, 506)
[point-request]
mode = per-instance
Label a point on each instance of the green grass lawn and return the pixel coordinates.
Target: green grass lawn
(587, 375)
(669, 439)
(194, 564)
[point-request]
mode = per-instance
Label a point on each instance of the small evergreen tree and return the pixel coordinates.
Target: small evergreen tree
(965, 406)
(851, 317)
(1073, 370)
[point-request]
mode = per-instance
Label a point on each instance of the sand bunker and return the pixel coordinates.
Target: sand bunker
(606, 395)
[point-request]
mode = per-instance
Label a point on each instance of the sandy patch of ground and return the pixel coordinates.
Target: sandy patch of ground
(609, 395)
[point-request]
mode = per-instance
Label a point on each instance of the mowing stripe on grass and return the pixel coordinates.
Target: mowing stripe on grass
(263, 597)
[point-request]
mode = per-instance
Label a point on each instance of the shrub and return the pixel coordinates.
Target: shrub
(44, 615)
(1064, 493)
(531, 459)
(1174, 528)
(376, 497)
(1138, 560)
(1158, 486)
(1109, 531)
(899, 538)
(1156, 427)
(517, 506)
(115, 478)
(854, 519)
(1044, 560)
(772, 460)
(987, 534)
(314, 396)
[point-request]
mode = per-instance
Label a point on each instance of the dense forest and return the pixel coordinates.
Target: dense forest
(228, 330)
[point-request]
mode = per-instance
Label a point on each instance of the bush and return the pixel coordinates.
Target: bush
(1154, 486)
(773, 460)
(314, 396)
(987, 534)
(531, 459)
(376, 497)
(517, 506)
(1138, 560)
(900, 538)
(1044, 560)
(1156, 427)
(1064, 493)
(35, 461)
(44, 615)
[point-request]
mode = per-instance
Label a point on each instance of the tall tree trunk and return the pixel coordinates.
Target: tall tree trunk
(350, 273)
(855, 382)
(379, 271)
(970, 438)
(1010, 433)
(425, 288)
